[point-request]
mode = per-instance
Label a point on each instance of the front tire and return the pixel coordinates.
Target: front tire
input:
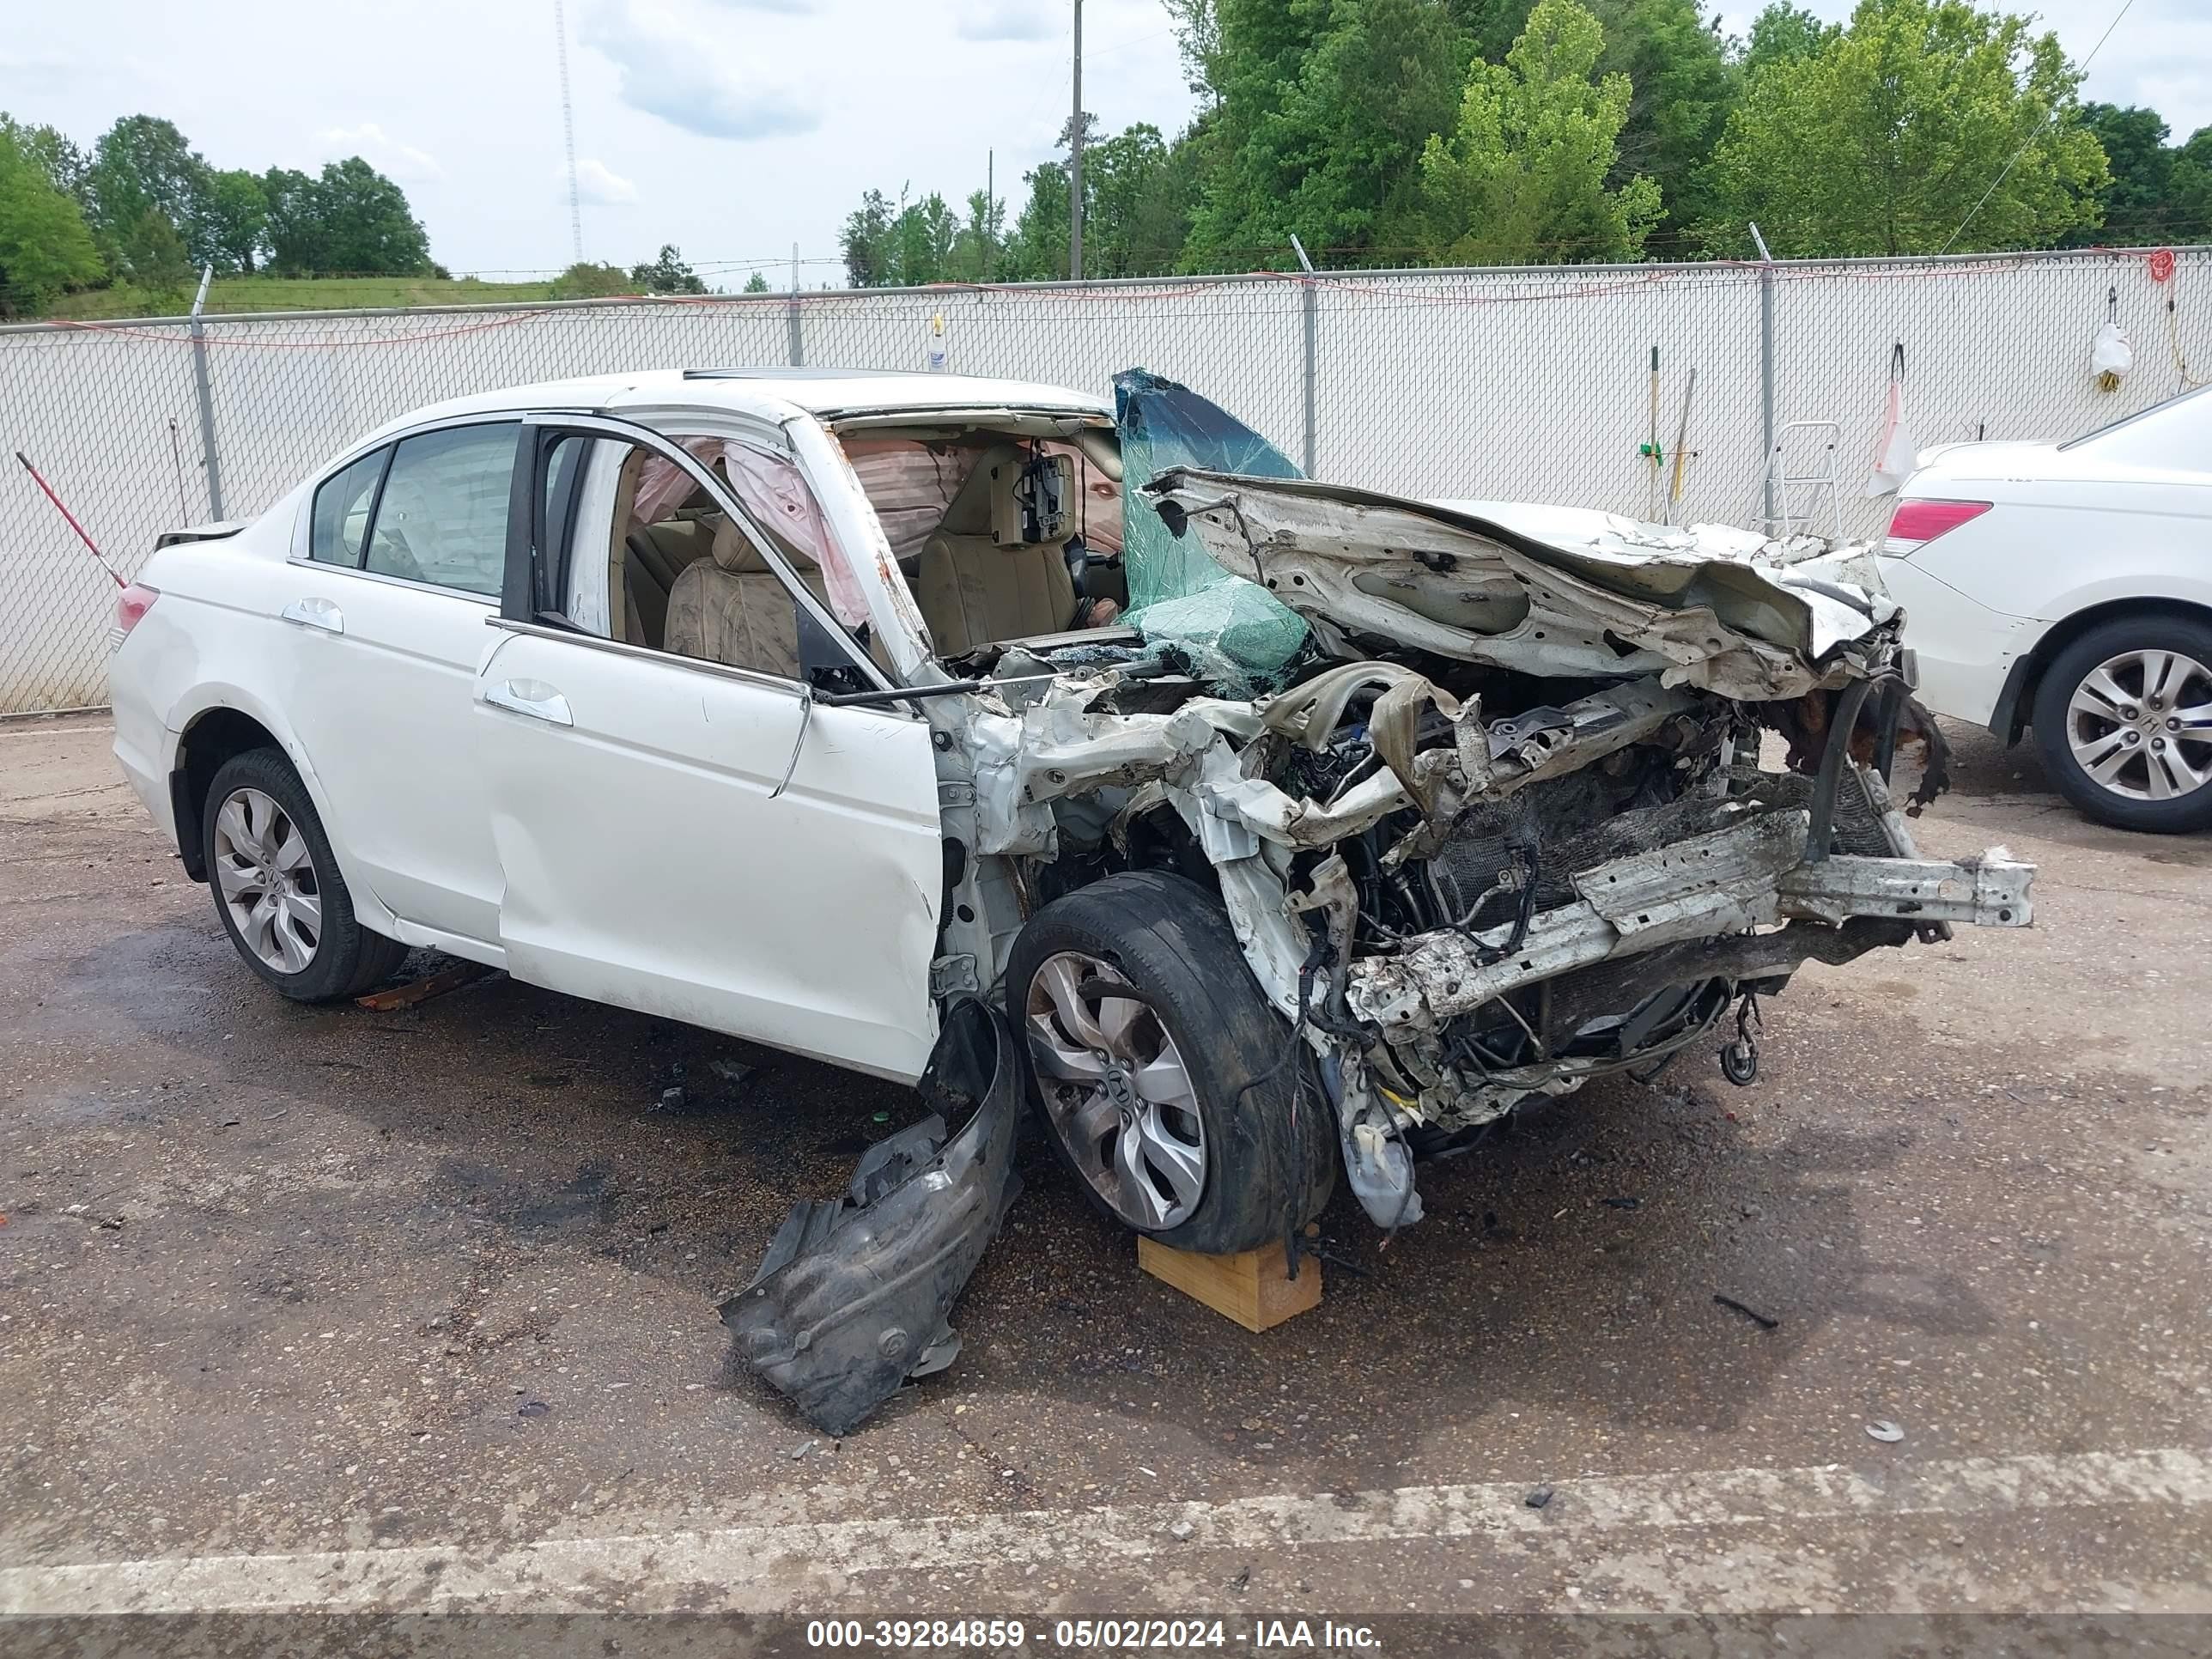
(2124, 720)
(277, 889)
(1181, 1109)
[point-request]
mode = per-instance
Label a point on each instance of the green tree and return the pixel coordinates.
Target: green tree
(1522, 177)
(237, 220)
(757, 283)
(1493, 25)
(1138, 194)
(667, 274)
(1681, 87)
(46, 247)
(140, 165)
(1883, 141)
(975, 249)
(585, 280)
(922, 238)
(2190, 183)
(1326, 106)
(2137, 206)
(1036, 249)
(864, 241)
(154, 257)
(368, 227)
(51, 152)
(1784, 32)
(294, 234)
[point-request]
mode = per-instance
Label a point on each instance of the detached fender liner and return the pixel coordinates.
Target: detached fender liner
(854, 1293)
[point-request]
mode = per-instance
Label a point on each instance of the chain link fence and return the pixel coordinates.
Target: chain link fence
(1527, 383)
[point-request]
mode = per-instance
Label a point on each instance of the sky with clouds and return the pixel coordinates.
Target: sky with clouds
(732, 128)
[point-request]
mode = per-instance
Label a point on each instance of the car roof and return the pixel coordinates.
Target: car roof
(775, 393)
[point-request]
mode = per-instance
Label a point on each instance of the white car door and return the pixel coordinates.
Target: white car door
(395, 567)
(669, 843)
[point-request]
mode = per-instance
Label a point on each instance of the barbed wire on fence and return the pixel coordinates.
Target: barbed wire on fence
(1520, 382)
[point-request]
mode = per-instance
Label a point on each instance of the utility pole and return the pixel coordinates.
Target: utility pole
(990, 216)
(1075, 161)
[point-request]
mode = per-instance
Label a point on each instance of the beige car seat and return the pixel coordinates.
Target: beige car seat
(731, 608)
(975, 590)
(654, 555)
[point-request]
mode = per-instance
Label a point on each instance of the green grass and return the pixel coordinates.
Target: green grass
(246, 294)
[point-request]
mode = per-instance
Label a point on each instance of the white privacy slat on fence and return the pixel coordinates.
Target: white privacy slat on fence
(1524, 384)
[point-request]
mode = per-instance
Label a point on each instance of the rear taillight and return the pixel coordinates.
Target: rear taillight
(1915, 523)
(131, 603)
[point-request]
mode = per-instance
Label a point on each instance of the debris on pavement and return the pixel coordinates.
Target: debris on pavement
(1882, 1429)
(451, 978)
(852, 1297)
(1541, 1496)
(1180, 1531)
(1764, 1322)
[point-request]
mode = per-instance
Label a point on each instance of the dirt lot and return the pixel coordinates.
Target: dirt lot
(393, 1311)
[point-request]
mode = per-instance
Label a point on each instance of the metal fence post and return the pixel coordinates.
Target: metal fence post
(208, 458)
(1310, 302)
(1765, 375)
(791, 307)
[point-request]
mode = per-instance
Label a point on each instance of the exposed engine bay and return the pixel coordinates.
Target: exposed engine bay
(1507, 828)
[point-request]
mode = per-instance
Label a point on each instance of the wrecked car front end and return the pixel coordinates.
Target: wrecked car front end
(1508, 826)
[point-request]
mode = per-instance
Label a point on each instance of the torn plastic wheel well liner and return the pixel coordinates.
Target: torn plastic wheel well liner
(854, 1295)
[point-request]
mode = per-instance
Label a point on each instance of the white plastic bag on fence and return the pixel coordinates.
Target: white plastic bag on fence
(2110, 357)
(1895, 451)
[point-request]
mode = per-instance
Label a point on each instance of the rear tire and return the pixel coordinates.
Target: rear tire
(276, 886)
(1181, 1112)
(2124, 721)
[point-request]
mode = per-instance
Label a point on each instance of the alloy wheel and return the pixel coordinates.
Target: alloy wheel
(1117, 1092)
(267, 877)
(2140, 724)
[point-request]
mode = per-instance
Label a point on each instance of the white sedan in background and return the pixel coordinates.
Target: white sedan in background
(2067, 589)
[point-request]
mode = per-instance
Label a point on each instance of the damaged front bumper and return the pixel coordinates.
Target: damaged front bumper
(1751, 874)
(855, 1295)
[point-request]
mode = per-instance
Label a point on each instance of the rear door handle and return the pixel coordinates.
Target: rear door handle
(315, 613)
(539, 700)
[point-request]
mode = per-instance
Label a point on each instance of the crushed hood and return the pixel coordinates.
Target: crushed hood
(1544, 590)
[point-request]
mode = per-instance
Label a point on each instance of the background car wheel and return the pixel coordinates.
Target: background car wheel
(1175, 1107)
(277, 888)
(2124, 718)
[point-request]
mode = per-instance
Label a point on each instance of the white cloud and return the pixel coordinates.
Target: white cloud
(598, 184)
(1008, 20)
(788, 8)
(678, 74)
(408, 165)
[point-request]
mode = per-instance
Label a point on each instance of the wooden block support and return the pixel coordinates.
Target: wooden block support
(1253, 1287)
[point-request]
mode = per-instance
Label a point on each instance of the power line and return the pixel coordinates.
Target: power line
(2048, 116)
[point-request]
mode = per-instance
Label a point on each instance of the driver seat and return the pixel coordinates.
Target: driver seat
(974, 590)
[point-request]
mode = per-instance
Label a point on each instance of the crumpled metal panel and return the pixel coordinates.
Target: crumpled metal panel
(1718, 610)
(854, 1294)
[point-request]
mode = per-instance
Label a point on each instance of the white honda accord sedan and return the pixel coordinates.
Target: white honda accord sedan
(1299, 829)
(2067, 589)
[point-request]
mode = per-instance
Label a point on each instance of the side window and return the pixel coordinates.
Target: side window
(340, 522)
(685, 579)
(442, 515)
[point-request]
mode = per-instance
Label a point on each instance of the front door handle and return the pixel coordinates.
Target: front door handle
(539, 700)
(315, 613)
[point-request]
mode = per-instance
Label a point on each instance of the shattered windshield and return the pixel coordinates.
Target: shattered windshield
(1236, 632)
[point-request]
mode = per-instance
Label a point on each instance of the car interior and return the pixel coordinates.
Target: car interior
(1001, 536)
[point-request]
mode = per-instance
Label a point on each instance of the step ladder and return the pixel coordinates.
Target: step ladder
(1823, 487)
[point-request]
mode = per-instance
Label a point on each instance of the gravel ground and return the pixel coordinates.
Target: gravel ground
(279, 1282)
